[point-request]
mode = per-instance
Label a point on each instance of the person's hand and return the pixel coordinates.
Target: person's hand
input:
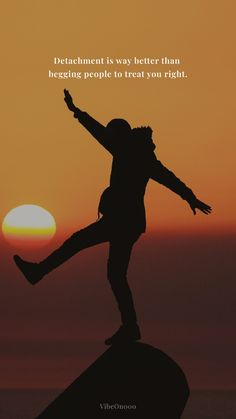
(69, 101)
(201, 206)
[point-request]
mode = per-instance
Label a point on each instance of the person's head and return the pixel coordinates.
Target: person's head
(120, 133)
(118, 130)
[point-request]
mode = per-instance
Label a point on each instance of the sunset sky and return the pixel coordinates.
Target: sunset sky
(182, 271)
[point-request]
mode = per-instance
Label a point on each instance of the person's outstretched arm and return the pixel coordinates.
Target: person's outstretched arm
(161, 174)
(94, 127)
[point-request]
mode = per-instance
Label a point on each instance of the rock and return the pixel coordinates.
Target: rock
(134, 380)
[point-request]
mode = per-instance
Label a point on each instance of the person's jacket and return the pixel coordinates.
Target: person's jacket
(134, 163)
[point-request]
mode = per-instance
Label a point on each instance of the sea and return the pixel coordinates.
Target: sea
(28, 404)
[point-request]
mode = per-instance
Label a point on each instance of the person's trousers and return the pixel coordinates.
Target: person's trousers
(121, 243)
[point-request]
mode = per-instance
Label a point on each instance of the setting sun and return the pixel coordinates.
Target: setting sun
(28, 225)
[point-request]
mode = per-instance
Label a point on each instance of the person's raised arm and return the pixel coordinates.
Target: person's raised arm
(161, 174)
(94, 127)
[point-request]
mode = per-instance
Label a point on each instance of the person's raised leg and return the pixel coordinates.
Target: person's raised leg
(119, 256)
(93, 234)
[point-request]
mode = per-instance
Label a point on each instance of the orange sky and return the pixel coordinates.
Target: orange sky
(46, 157)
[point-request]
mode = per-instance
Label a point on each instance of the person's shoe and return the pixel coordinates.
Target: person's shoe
(125, 334)
(30, 270)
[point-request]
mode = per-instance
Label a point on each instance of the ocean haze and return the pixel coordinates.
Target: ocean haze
(184, 291)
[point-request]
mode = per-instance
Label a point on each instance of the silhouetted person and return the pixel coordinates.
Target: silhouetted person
(122, 209)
